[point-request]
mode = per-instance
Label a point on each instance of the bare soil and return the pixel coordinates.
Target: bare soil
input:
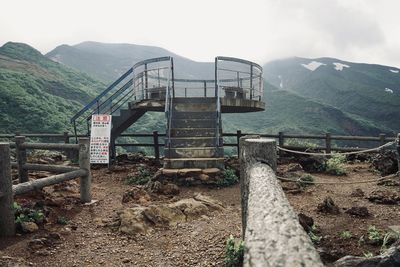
(85, 241)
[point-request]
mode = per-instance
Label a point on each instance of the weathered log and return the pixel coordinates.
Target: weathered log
(272, 234)
(7, 225)
(50, 168)
(50, 146)
(84, 163)
(40, 183)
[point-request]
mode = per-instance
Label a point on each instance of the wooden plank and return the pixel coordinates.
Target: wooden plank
(50, 146)
(47, 167)
(40, 183)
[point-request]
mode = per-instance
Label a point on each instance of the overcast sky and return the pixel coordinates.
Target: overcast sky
(260, 30)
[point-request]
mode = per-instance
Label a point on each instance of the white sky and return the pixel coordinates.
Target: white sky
(260, 30)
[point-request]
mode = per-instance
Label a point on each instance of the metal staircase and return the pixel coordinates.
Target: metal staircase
(194, 133)
(192, 107)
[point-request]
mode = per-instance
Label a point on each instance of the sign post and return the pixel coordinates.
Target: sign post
(100, 139)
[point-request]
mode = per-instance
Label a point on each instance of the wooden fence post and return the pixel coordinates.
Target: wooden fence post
(7, 224)
(328, 143)
(398, 152)
(156, 147)
(238, 135)
(281, 142)
(21, 159)
(84, 163)
(382, 138)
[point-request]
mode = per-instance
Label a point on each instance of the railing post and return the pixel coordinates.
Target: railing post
(398, 153)
(21, 159)
(205, 89)
(328, 143)
(7, 224)
(156, 147)
(238, 135)
(281, 142)
(382, 138)
(84, 163)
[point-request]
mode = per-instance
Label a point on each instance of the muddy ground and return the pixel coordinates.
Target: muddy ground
(84, 237)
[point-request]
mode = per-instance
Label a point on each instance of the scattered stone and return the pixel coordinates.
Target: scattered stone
(126, 260)
(204, 177)
(29, 227)
(361, 212)
(312, 163)
(328, 206)
(170, 189)
(386, 162)
(292, 187)
(6, 261)
(384, 197)
(136, 194)
(357, 193)
(306, 222)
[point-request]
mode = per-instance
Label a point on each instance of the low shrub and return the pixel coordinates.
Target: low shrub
(229, 177)
(142, 177)
(233, 252)
(335, 165)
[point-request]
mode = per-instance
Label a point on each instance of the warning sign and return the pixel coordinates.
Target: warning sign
(100, 139)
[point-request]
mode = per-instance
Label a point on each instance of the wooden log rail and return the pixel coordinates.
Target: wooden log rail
(7, 190)
(155, 143)
(272, 234)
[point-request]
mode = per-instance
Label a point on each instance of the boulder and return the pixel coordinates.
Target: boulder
(386, 162)
(306, 222)
(29, 227)
(211, 203)
(190, 207)
(361, 212)
(328, 206)
(164, 215)
(132, 221)
(384, 197)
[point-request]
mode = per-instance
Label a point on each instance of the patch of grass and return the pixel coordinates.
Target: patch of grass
(306, 180)
(36, 216)
(233, 252)
(389, 237)
(368, 254)
(142, 177)
(62, 220)
(228, 178)
(335, 165)
(346, 235)
(373, 234)
(315, 238)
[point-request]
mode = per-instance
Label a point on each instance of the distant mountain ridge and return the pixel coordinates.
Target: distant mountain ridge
(108, 61)
(366, 91)
(47, 93)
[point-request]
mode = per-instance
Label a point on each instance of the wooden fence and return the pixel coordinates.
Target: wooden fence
(7, 190)
(327, 139)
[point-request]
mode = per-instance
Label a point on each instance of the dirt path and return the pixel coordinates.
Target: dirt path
(195, 243)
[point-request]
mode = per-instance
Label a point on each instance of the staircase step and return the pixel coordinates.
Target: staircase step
(194, 100)
(193, 132)
(202, 163)
(210, 115)
(192, 123)
(198, 107)
(193, 141)
(194, 152)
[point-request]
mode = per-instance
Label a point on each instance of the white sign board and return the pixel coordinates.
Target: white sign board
(100, 139)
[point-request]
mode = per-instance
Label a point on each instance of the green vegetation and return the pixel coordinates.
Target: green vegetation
(335, 165)
(315, 238)
(346, 235)
(368, 254)
(389, 238)
(142, 177)
(306, 180)
(228, 178)
(62, 220)
(233, 252)
(373, 234)
(36, 216)
(37, 94)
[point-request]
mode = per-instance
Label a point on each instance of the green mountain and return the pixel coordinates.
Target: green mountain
(109, 61)
(38, 94)
(366, 92)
